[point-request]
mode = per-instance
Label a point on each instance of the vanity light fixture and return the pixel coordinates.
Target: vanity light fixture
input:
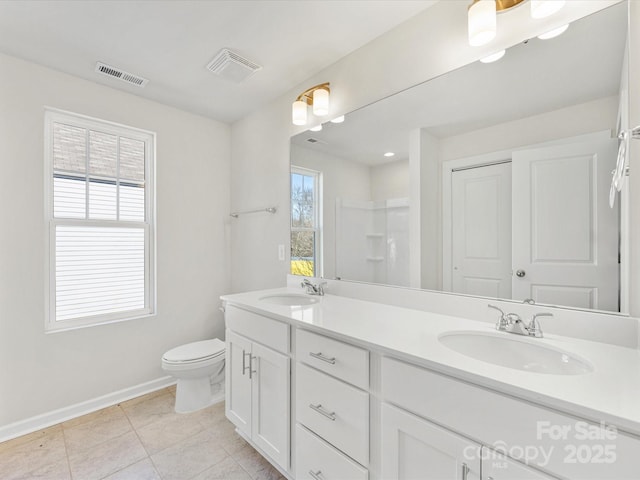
(317, 128)
(482, 16)
(389, 154)
(339, 119)
(493, 57)
(554, 33)
(317, 97)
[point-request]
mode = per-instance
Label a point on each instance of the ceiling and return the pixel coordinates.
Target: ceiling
(534, 77)
(171, 42)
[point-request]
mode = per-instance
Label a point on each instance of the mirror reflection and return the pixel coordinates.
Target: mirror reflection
(491, 180)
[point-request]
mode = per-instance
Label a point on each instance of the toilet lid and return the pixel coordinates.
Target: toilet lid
(195, 351)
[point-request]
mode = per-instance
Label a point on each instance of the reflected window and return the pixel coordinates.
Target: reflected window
(305, 223)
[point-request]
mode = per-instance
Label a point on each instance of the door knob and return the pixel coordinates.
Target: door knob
(520, 273)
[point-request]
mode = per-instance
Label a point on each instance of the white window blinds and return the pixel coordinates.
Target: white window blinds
(100, 227)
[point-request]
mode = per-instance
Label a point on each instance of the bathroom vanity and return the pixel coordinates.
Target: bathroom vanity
(330, 387)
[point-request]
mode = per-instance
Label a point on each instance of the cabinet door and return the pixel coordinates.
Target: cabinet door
(413, 448)
(496, 466)
(238, 381)
(270, 399)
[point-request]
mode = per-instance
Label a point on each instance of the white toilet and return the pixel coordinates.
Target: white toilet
(199, 368)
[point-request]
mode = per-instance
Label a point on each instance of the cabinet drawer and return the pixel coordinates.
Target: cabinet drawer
(334, 410)
(266, 331)
(336, 358)
(327, 463)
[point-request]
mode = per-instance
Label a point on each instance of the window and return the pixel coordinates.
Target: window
(305, 224)
(99, 205)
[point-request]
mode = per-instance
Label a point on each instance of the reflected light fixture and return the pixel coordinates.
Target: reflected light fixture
(317, 128)
(482, 16)
(339, 119)
(389, 154)
(494, 57)
(554, 33)
(317, 97)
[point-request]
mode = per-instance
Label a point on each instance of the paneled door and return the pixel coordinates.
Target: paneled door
(496, 466)
(415, 449)
(481, 230)
(270, 403)
(238, 381)
(565, 236)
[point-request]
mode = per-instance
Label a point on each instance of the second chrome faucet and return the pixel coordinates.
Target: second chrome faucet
(513, 323)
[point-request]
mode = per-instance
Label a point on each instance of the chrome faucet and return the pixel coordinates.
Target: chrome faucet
(313, 289)
(513, 323)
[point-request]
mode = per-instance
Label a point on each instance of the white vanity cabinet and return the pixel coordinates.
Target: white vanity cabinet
(258, 382)
(415, 449)
(496, 466)
(332, 409)
(493, 419)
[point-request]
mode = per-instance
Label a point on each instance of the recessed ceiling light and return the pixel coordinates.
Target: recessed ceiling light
(554, 33)
(339, 119)
(316, 128)
(389, 154)
(493, 57)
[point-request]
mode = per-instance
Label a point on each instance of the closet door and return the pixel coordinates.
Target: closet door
(415, 449)
(238, 381)
(481, 230)
(565, 236)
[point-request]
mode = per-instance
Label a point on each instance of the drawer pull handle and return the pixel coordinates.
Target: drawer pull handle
(244, 362)
(465, 471)
(251, 370)
(318, 408)
(320, 356)
(316, 475)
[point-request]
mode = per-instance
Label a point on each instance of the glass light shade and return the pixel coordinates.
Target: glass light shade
(553, 33)
(339, 119)
(544, 8)
(299, 112)
(482, 22)
(317, 128)
(493, 57)
(320, 102)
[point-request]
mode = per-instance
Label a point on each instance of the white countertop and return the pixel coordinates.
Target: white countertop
(611, 393)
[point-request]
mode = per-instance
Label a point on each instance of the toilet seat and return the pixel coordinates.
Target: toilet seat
(195, 352)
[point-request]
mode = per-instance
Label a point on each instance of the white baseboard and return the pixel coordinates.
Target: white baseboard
(29, 425)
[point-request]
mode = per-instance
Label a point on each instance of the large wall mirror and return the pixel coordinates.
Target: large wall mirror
(491, 180)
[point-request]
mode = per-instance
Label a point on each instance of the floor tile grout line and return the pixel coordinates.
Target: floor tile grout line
(66, 449)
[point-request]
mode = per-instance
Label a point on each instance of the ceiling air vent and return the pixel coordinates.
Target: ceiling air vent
(231, 66)
(114, 72)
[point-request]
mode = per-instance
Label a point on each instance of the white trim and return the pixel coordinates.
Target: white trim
(38, 422)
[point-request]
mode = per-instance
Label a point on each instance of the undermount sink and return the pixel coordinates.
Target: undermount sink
(291, 299)
(510, 351)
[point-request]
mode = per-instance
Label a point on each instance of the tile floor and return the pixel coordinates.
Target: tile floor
(140, 439)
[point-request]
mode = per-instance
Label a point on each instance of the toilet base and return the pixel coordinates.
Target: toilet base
(197, 393)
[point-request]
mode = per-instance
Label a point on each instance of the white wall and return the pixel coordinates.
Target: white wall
(40, 373)
(340, 179)
(588, 117)
(428, 45)
(390, 180)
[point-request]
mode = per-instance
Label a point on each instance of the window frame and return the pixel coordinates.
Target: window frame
(51, 116)
(317, 215)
